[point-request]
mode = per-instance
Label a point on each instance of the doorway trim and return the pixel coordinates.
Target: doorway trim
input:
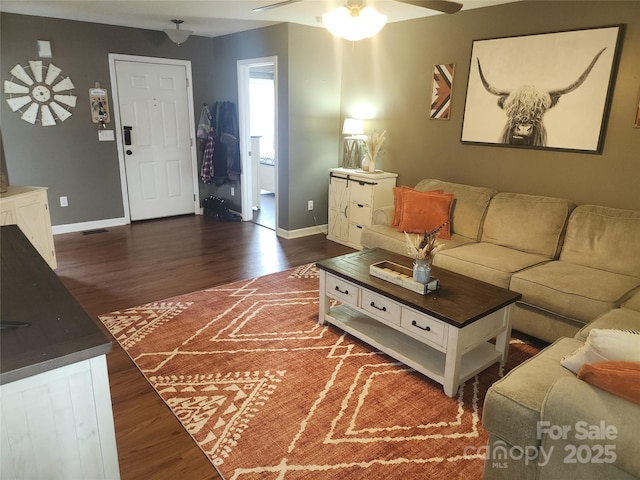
(113, 57)
(244, 70)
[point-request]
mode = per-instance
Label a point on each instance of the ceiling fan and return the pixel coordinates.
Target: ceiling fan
(443, 6)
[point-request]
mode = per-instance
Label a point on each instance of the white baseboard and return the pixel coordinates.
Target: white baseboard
(302, 232)
(117, 222)
(85, 226)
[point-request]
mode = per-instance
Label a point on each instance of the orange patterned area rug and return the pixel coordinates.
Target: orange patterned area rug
(268, 393)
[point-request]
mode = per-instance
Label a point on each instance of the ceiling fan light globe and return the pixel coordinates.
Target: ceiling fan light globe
(342, 23)
(336, 21)
(372, 21)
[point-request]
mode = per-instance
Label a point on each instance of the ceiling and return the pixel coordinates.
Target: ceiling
(209, 18)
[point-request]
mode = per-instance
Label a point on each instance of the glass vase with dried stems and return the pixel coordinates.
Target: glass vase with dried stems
(422, 249)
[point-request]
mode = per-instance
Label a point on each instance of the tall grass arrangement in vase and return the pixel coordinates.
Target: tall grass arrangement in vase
(373, 144)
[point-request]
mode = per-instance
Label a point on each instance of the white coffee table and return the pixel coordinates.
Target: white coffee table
(446, 335)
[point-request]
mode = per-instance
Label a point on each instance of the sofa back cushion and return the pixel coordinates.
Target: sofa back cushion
(469, 205)
(528, 223)
(604, 238)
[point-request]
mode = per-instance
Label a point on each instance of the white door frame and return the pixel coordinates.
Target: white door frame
(113, 57)
(245, 131)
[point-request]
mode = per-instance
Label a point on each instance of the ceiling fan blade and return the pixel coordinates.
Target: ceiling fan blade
(274, 5)
(439, 5)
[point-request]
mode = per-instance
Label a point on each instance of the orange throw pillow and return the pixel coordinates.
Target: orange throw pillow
(424, 211)
(397, 202)
(621, 378)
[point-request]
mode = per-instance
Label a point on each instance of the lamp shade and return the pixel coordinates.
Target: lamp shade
(353, 126)
(354, 24)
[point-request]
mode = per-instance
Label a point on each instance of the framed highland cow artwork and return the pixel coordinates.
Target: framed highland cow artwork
(545, 91)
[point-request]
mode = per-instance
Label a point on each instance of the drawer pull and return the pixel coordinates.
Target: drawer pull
(360, 205)
(345, 292)
(415, 324)
(383, 309)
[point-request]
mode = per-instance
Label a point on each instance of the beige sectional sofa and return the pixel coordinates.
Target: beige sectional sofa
(570, 263)
(537, 413)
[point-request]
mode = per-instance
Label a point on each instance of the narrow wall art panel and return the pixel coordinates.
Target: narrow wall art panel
(441, 91)
(547, 91)
(636, 122)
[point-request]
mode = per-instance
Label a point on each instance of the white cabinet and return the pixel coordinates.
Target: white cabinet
(28, 208)
(59, 425)
(353, 197)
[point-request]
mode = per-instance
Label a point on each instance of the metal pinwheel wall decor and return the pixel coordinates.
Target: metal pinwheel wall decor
(40, 93)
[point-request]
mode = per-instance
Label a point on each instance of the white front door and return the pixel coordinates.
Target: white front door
(157, 139)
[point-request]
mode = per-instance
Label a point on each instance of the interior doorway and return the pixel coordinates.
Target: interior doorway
(257, 99)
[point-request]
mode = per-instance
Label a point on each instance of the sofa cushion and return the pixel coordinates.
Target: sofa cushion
(618, 318)
(633, 303)
(570, 401)
(571, 290)
(513, 404)
(469, 205)
(388, 238)
(424, 211)
(529, 223)
(603, 238)
(604, 344)
(384, 215)
(487, 262)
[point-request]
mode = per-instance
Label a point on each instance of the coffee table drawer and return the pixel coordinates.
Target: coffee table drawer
(424, 326)
(342, 290)
(381, 307)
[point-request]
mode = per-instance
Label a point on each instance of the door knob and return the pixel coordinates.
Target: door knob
(128, 152)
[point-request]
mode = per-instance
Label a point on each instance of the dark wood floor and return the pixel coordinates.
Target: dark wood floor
(266, 215)
(148, 261)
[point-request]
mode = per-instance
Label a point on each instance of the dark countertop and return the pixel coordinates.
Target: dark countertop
(59, 333)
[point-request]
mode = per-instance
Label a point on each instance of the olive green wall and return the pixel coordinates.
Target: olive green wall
(393, 71)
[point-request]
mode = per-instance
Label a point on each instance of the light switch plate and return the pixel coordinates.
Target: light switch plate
(106, 135)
